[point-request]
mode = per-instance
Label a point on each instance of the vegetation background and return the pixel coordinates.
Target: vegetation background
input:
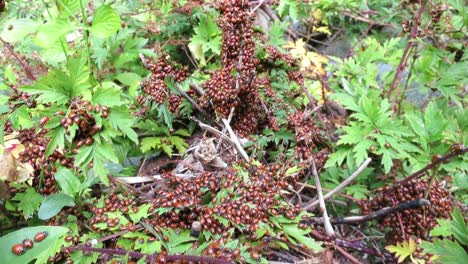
(320, 131)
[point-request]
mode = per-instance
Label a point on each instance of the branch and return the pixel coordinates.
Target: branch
(457, 149)
(236, 141)
(26, 68)
(404, 58)
(346, 182)
(326, 221)
(414, 204)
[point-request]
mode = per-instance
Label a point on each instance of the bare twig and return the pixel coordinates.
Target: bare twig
(455, 152)
(415, 204)
(326, 221)
(341, 185)
(186, 96)
(404, 58)
(26, 68)
(235, 139)
(346, 254)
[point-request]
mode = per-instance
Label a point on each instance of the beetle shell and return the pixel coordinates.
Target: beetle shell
(28, 243)
(40, 236)
(18, 249)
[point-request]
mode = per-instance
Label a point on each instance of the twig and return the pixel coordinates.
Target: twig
(256, 7)
(328, 190)
(234, 142)
(404, 58)
(326, 221)
(455, 152)
(345, 253)
(414, 204)
(235, 139)
(186, 96)
(341, 185)
(26, 68)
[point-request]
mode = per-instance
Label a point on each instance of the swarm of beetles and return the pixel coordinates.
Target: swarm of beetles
(412, 222)
(155, 90)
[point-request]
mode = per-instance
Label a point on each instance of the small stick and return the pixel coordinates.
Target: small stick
(345, 253)
(26, 68)
(414, 204)
(326, 220)
(236, 141)
(341, 186)
(186, 96)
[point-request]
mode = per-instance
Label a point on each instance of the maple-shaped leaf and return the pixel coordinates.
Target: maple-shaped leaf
(402, 250)
(29, 202)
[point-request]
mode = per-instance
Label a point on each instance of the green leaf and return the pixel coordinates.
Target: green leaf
(179, 143)
(18, 30)
(52, 31)
(402, 250)
(123, 121)
(142, 212)
(41, 251)
(107, 96)
(301, 236)
(57, 139)
(68, 182)
(52, 205)
(106, 22)
(29, 202)
(448, 252)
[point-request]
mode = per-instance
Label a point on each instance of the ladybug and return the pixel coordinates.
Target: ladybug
(40, 236)
(18, 249)
(28, 243)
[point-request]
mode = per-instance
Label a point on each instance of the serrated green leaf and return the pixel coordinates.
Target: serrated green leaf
(106, 22)
(402, 250)
(57, 140)
(29, 202)
(301, 236)
(448, 252)
(52, 205)
(124, 122)
(142, 212)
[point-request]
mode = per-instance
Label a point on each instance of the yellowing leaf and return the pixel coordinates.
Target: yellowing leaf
(403, 250)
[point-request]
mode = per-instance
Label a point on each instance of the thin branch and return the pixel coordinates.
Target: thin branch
(414, 204)
(326, 221)
(346, 254)
(26, 68)
(404, 58)
(186, 96)
(235, 139)
(345, 183)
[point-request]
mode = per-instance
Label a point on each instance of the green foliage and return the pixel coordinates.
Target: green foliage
(207, 38)
(449, 251)
(28, 202)
(52, 205)
(404, 250)
(106, 22)
(40, 252)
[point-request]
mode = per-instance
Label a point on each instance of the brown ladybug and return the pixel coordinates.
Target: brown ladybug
(28, 243)
(18, 249)
(40, 236)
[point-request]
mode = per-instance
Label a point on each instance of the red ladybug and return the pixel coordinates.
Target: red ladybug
(28, 243)
(18, 249)
(40, 236)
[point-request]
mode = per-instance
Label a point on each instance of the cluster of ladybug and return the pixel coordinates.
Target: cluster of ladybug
(229, 195)
(20, 249)
(234, 85)
(155, 90)
(274, 55)
(412, 222)
(83, 114)
(307, 138)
